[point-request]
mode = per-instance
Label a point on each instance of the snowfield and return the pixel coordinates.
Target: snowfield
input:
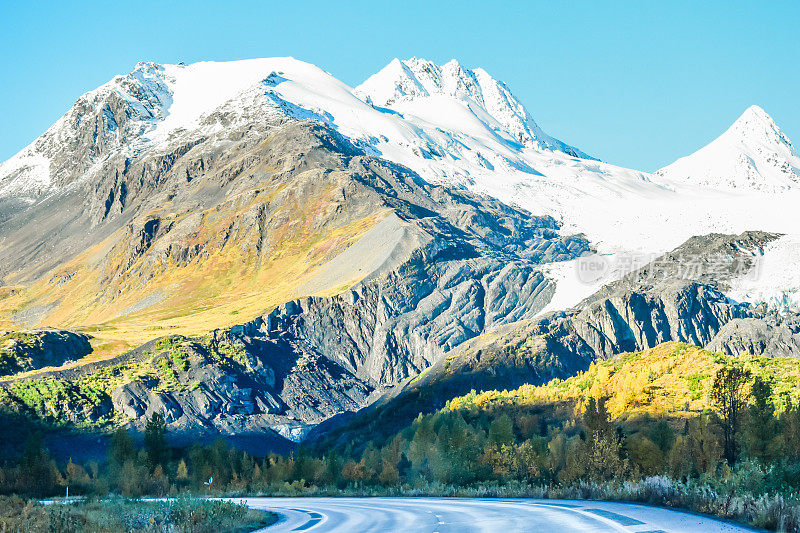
(462, 127)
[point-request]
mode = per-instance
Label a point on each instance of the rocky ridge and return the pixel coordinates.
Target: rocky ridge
(446, 265)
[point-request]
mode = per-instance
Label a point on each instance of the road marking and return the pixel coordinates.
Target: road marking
(608, 522)
(621, 519)
(315, 518)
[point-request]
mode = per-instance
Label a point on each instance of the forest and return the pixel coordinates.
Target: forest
(731, 448)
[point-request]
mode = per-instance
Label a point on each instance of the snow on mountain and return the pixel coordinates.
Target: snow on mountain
(631, 217)
(101, 121)
(414, 87)
(469, 130)
(753, 154)
(156, 106)
(776, 279)
(449, 124)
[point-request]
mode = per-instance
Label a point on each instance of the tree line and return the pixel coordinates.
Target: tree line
(542, 444)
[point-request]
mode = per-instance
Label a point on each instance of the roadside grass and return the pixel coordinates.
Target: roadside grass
(180, 515)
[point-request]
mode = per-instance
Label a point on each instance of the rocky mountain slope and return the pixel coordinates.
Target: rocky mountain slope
(254, 244)
(434, 267)
(449, 124)
(662, 302)
(23, 351)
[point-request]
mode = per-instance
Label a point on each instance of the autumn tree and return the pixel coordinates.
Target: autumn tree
(182, 474)
(603, 446)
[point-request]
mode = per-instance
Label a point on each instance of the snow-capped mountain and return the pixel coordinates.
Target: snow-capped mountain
(753, 154)
(102, 121)
(415, 86)
(460, 126)
(447, 123)
(267, 199)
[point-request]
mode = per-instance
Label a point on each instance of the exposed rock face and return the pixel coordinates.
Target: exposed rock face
(678, 297)
(22, 351)
(658, 303)
(636, 320)
(561, 344)
(447, 280)
(670, 301)
(440, 266)
(459, 285)
(770, 335)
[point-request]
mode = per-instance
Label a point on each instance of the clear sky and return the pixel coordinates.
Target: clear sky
(634, 83)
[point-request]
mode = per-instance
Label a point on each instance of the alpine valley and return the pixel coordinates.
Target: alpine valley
(256, 250)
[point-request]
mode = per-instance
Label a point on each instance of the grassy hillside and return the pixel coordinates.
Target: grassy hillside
(84, 400)
(123, 299)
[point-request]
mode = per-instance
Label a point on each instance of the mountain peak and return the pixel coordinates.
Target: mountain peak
(754, 113)
(403, 82)
(752, 154)
(755, 126)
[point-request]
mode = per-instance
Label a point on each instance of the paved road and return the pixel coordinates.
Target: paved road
(443, 515)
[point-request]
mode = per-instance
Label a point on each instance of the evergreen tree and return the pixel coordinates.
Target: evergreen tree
(762, 426)
(729, 395)
(790, 429)
(121, 448)
(38, 474)
(403, 466)
(155, 440)
(501, 431)
(662, 436)
(597, 420)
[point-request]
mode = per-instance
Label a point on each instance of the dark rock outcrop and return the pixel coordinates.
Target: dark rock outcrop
(22, 351)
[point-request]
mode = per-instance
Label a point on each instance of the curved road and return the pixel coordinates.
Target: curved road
(441, 515)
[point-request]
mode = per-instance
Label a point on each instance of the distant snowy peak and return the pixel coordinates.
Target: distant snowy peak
(101, 121)
(448, 123)
(752, 155)
(756, 126)
(401, 83)
(149, 108)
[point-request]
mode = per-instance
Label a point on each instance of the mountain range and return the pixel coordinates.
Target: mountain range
(255, 246)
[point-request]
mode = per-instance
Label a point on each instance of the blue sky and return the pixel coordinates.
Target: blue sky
(634, 83)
